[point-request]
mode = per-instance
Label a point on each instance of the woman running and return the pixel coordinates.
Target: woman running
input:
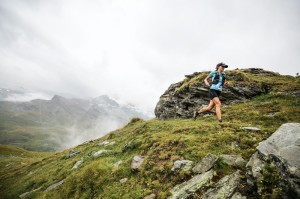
(218, 80)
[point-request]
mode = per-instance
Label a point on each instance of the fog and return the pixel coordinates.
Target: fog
(133, 50)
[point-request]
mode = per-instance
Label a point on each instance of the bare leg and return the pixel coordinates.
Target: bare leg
(208, 108)
(218, 104)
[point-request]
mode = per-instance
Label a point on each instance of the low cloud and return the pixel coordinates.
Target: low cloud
(134, 50)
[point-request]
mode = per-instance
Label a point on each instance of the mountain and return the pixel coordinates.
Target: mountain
(254, 153)
(7, 93)
(51, 125)
(182, 98)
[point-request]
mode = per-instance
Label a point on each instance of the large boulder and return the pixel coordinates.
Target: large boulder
(185, 165)
(55, 185)
(225, 187)
(234, 160)
(187, 188)
(206, 164)
(281, 149)
(182, 98)
(137, 162)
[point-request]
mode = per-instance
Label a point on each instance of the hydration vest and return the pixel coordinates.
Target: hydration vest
(216, 78)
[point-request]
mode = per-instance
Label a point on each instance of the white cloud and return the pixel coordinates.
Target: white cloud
(133, 50)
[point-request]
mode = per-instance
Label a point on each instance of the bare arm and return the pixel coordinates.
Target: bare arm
(206, 82)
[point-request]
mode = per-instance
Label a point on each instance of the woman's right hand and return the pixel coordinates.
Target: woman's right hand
(207, 84)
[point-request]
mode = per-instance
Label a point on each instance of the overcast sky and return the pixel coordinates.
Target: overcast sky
(133, 50)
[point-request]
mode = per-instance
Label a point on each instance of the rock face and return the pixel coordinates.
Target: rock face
(182, 164)
(225, 187)
(281, 149)
(234, 160)
(53, 186)
(187, 188)
(182, 98)
(206, 163)
(151, 196)
(253, 129)
(123, 180)
(137, 162)
(72, 153)
(26, 194)
(97, 153)
(76, 165)
(117, 164)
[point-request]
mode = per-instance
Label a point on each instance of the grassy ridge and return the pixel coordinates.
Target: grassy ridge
(161, 142)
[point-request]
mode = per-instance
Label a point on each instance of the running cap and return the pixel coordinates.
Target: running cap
(222, 64)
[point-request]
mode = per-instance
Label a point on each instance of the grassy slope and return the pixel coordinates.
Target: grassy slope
(161, 142)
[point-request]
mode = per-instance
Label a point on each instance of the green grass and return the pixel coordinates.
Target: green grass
(160, 141)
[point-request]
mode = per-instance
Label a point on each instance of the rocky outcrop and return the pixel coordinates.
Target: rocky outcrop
(182, 98)
(151, 196)
(26, 194)
(117, 164)
(137, 162)
(72, 153)
(225, 187)
(97, 153)
(76, 165)
(251, 129)
(185, 165)
(104, 143)
(187, 188)
(206, 163)
(235, 161)
(54, 186)
(281, 149)
(123, 180)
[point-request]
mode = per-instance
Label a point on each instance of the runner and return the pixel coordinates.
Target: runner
(218, 80)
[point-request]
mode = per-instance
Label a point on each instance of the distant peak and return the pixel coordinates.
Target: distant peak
(56, 98)
(105, 99)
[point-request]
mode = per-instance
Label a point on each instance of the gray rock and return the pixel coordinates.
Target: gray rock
(137, 162)
(26, 194)
(272, 114)
(283, 144)
(23, 195)
(126, 146)
(151, 196)
(225, 187)
(97, 153)
(72, 153)
(181, 99)
(182, 164)
(76, 165)
(112, 143)
(103, 143)
(255, 166)
(123, 180)
(53, 186)
(253, 129)
(237, 195)
(206, 163)
(187, 188)
(234, 160)
(297, 142)
(106, 143)
(282, 150)
(117, 164)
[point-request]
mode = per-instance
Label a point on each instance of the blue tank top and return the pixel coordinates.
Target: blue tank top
(217, 85)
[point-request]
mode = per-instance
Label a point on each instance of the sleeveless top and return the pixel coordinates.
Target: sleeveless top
(218, 80)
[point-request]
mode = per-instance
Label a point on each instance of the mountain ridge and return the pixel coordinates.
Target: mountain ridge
(150, 158)
(66, 117)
